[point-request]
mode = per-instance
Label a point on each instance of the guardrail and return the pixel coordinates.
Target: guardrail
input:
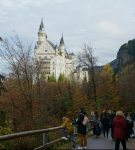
(44, 131)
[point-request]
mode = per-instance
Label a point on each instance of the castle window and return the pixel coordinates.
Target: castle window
(45, 57)
(45, 50)
(51, 57)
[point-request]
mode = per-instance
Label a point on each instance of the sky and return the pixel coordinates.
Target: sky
(105, 24)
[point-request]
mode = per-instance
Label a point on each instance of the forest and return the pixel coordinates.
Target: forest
(29, 102)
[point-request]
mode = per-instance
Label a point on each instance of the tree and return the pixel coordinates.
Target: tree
(107, 70)
(17, 53)
(61, 78)
(52, 78)
(87, 59)
(107, 95)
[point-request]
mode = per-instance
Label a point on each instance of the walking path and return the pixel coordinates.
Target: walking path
(102, 142)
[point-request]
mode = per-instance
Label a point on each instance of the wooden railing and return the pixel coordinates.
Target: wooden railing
(44, 131)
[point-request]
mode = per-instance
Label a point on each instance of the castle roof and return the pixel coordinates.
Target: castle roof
(35, 47)
(62, 40)
(41, 25)
(72, 53)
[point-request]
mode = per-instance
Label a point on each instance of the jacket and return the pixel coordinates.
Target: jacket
(68, 126)
(112, 116)
(95, 118)
(81, 127)
(120, 129)
(106, 121)
(101, 117)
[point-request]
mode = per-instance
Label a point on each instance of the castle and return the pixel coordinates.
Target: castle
(56, 58)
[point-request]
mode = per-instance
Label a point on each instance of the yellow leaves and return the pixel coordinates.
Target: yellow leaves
(7, 129)
(107, 70)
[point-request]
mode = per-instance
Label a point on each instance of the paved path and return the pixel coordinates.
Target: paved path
(102, 142)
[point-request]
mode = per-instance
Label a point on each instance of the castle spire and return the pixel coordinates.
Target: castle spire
(62, 40)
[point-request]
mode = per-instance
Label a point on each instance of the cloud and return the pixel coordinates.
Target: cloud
(109, 29)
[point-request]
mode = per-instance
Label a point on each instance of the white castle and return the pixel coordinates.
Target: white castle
(56, 58)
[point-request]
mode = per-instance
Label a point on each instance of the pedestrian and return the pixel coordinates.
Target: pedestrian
(120, 130)
(127, 124)
(109, 114)
(101, 120)
(81, 128)
(106, 121)
(96, 129)
(69, 130)
(95, 116)
(133, 115)
(131, 125)
(112, 116)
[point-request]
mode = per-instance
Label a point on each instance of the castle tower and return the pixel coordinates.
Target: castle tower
(62, 44)
(41, 33)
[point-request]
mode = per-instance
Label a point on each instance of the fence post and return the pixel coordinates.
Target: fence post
(44, 140)
(89, 128)
(74, 133)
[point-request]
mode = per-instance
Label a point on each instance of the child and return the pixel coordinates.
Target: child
(69, 130)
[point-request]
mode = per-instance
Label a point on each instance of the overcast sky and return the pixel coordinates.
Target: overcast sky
(106, 24)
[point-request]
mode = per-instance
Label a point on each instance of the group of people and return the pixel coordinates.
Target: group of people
(121, 124)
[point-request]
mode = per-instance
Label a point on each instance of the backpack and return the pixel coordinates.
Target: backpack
(85, 120)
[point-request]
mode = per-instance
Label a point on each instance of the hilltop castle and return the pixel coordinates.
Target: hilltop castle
(56, 58)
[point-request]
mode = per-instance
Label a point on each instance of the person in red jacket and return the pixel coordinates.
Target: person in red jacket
(120, 130)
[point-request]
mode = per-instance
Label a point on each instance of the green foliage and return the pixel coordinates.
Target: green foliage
(52, 78)
(6, 129)
(85, 79)
(61, 78)
(2, 118)
(43, 76)
(71, 79)
(0, 39)
(66, 100)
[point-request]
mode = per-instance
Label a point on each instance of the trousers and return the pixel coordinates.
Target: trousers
(64, 131)
(83, 138)
(117, 144)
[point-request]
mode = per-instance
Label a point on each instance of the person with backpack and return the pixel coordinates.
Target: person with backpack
(81, 122)
(106, 121)
(112, 116)
(95, 116)
(69, 130)
(101, 120)
(120, 130)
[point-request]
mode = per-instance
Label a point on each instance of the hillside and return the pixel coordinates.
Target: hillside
(125, 56)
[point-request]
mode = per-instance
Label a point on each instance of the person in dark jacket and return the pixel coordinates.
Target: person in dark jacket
(120, 130)
(127, 123)
(112, 116)
(133, 115)
(101, 120)
(106, 121)
(81, 128)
